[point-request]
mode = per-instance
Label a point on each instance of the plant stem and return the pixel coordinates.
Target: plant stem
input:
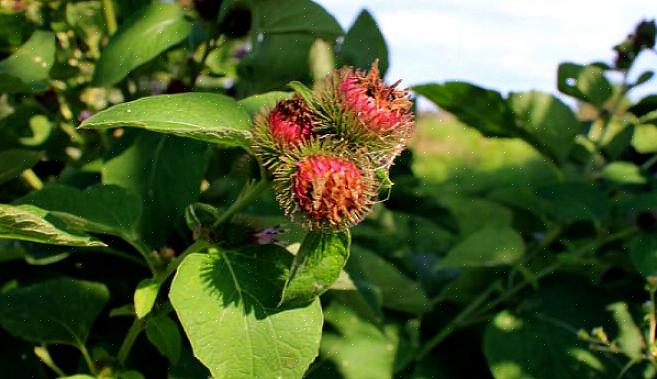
(129, 340)
(110, 16)
(649, 163)
(458, 320)
(251, 192)
(87, 358)
(32, 179)
(653, 320)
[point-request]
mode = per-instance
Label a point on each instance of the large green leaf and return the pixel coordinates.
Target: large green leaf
(166, 171)
(92, 210)
(54, 311)
(360, 350)
(226, 302)
(542, 341)
(316, 266)
(546, 122)
(14, 161)
(293, 16)
(483, 109)
(486, 248)
(206, 117)
(398, 291)
(364, 43)
(142, 37)
(29, 223)
(28, 68)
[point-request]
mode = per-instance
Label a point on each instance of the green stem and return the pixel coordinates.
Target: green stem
(129, 340)
(110, 16)
(250, 194)
(649, 163)
(209, 45)
(456, 322)
(87, 358)
(32, 179)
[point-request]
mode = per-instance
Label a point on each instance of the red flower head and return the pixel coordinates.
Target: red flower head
(328, 191)
(360, 107)
(381, 108)
(281, 130)
(290, 122)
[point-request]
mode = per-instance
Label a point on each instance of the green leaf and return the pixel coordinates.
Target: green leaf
(623, 173)
(630, 340)
(29, 223)
(397, 291)
(644, 139)
(226, 302)
(207, 117)
(55, 311)
(255, 103)
(15, 161)
(592, 83)
(644, 77)
(486, 248)
(144, 35)
(145, 296)
(546, 122)
(92, 210)
(480, 108)
(166, 172)
(364, 43)
(360, 350)
(542, 341)
(574, 201)
(586, 83)
(644, 106)
(28, 68)
(643, 253)
(163, 333)
(294, 16)
(316, 266)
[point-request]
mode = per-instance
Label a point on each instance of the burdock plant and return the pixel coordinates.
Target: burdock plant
(328, 149)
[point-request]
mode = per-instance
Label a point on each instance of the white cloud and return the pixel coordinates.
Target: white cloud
(506, 44)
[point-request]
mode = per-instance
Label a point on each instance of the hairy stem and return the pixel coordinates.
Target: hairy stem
(251, 192)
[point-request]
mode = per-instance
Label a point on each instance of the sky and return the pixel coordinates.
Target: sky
(507, 45)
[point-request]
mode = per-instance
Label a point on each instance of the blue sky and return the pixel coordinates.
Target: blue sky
(508, 45)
